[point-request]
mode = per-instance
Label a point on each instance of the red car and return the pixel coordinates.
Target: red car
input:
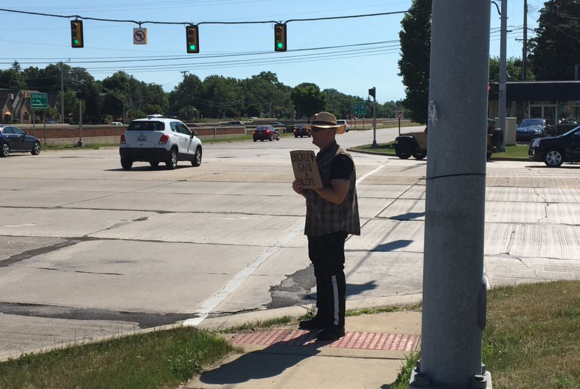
(265, 132)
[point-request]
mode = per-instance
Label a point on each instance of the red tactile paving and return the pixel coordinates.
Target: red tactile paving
(354, 340)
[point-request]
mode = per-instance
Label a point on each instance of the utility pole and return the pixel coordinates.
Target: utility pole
(502, 72)
(373, 92)
(184, 72)
(525, 43)
(454, 293)
(61, 92)
(80, 142)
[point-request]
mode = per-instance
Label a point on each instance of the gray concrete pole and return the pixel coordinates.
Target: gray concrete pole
(502, 72)
(525, 41)
(61, 92)
(453, 295)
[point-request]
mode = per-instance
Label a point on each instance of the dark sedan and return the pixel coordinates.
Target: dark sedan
(301, 130)
(530, 129)
(267, 132)
(13, 139)
(554, 150)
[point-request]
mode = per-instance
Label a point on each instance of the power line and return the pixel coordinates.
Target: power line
(188, 23)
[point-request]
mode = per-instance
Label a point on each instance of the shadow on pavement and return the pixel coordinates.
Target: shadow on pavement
(271, 361)
(391, 246)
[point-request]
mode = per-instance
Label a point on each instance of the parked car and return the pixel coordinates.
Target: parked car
(116, 124)
(555, 150)
(532, 128)
(343, 123)
(265, 132)
(301, 130)
(156, 140)
(13, 139)
(277, 124)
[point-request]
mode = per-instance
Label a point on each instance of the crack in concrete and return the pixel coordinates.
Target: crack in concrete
(143, 319)
(39, 251)
(529, 267)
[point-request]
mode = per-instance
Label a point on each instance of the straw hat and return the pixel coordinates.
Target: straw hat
(327, 120)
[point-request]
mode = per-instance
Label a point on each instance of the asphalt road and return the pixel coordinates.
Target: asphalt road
(90, 250)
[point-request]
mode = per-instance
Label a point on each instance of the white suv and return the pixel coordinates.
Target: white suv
(157, 140)
(343, 123)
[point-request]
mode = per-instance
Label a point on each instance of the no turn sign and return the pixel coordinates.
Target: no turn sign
(139, 36)
(399, 114)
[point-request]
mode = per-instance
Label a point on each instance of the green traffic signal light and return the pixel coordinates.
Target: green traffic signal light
(76, 30)
(280, 37)
(192, 39)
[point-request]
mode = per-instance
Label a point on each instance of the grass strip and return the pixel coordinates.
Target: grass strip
(160, 359)
(532, 337)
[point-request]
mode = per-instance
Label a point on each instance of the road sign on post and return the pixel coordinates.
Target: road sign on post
(399, 115)
(38, 100)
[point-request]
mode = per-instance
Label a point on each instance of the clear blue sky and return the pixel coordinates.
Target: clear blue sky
(240, 50)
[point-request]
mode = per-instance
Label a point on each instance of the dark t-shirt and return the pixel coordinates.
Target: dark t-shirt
(341, 167)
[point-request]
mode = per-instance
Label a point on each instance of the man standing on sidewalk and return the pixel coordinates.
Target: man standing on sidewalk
(331, 214)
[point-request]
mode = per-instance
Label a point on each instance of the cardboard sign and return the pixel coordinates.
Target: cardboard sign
(305, 168)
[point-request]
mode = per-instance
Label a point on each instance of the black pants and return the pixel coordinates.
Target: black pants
(327, 255)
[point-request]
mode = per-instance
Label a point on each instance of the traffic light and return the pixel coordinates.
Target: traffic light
(192, 37)
(373, 92)
(280, 37)
(76, 32)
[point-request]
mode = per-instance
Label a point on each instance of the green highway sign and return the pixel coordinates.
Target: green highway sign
(359, 108)
(38, 100)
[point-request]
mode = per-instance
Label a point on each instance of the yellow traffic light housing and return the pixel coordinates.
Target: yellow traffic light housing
(280, 37)
(192, 39)
(76, 31)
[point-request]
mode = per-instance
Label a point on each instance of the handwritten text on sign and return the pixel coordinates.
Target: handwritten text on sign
(305, 168)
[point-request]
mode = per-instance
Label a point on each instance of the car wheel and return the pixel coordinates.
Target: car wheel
(404, 151)
(154, 164)
(255, 140)
(488, 156)
(35, 148)
(171, 163)
(296, 136)
(126, 164)
(196, 161)
(553, 158)
(419, 154)
(5, 150)
(271, 138)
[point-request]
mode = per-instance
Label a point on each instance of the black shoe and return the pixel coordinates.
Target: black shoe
(313, 324)
(330, 333)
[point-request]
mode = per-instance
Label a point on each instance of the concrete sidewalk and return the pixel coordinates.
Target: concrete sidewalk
(370, 355)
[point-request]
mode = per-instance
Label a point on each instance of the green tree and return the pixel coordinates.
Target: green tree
(556, 48)
(224, 97)
(265, 94)
(71, 105)
(186, 95)
(308, 99)
(415, 58)
(513, 67)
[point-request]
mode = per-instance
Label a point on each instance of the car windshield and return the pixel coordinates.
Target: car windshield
(532, 122)
(572, 131)
(146, 126)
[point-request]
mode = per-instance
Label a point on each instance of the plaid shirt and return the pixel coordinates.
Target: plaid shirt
(324, 217)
